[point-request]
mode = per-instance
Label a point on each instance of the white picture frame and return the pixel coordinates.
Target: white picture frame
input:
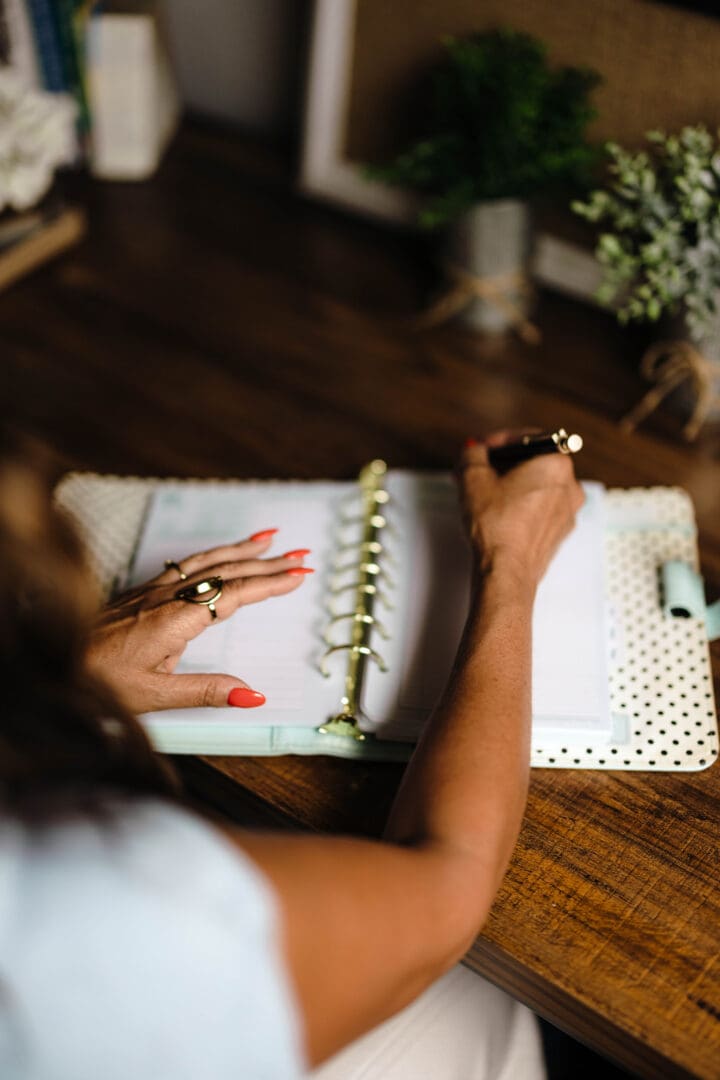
(324, 171)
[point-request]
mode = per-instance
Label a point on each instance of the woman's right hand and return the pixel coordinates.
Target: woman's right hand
(517, 520)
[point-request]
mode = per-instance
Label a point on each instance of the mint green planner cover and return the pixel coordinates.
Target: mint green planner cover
(673, 728)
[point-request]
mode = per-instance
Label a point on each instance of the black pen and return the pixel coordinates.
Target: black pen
(528, 446)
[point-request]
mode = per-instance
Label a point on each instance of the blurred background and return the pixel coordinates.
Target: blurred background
(115, 115)
(321, 100)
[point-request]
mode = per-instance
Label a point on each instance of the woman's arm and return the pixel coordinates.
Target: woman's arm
(368, 925)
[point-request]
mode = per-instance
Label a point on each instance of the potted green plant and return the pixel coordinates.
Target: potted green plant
(659, 247)
(497, 126)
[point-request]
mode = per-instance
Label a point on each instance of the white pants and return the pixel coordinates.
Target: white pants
(461, 1028)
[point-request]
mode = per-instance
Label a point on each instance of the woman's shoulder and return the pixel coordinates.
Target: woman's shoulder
(148, 846)
(143, 922)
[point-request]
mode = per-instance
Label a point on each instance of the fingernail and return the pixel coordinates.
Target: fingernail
(244, 698)
(298, 570)
(470, 441)
(264, 535)
(300, 553)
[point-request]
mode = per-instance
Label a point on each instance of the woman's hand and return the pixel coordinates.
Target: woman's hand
(517, 520)
(139, 638)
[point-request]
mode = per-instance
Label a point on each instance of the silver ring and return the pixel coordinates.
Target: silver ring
(205, 592)
(170, 564)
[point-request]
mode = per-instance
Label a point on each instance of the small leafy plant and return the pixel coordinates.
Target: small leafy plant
(660, 246)
(495, 122)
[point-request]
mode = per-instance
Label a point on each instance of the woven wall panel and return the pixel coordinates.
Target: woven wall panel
(659, 63)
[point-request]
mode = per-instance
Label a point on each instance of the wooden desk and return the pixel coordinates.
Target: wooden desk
(214, 325)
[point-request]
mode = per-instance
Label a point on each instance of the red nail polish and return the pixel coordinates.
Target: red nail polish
(470, 441)
(264, 535)
(300, 553)
(298, 570)
(244, 698)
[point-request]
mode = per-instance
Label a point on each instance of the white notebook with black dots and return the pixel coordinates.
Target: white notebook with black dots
(603, 648)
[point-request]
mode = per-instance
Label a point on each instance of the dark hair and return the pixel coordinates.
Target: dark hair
(66, 741)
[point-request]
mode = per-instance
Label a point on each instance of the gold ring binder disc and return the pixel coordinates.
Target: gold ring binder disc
(359, 651)
(371, 547)
(358, 616)
(377, 520)
(364, 567)
(365, 588)
(348, 646)
(371, 568)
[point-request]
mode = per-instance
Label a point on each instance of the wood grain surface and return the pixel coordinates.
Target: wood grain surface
(214, 324)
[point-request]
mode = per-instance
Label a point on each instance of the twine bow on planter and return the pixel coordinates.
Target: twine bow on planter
(669, 364)
(500, 291)
(485, 261)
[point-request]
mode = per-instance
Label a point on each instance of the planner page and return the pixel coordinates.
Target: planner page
(431, 564)
(275, 646)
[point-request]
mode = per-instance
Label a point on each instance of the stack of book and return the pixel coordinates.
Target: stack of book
(109, 57)
(44, 42)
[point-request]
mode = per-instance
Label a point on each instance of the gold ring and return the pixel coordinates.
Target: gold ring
(170, 564)
(203, 592)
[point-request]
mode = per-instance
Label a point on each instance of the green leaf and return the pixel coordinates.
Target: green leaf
(496, 120)
(610, 249)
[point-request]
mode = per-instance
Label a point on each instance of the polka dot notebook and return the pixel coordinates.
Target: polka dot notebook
(661, 688)
(661, 691)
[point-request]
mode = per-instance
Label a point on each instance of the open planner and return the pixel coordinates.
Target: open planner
(353, 662)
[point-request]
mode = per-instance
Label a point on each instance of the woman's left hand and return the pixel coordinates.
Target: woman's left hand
(140, 637)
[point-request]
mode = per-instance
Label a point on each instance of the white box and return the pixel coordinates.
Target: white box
(134, 103)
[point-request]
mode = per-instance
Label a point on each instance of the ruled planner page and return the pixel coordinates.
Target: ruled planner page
(276, 646)
(570, 691)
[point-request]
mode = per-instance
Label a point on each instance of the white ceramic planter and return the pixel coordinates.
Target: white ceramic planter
(492, 241)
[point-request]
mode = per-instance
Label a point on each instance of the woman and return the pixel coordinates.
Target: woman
(137, 941)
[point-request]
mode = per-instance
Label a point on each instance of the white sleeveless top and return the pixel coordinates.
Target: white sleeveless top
(139, 948)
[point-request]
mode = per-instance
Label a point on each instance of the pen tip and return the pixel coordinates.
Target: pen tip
(574, 443)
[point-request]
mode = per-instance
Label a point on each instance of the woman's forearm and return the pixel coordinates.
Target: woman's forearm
(465, 788)
(397, 914)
